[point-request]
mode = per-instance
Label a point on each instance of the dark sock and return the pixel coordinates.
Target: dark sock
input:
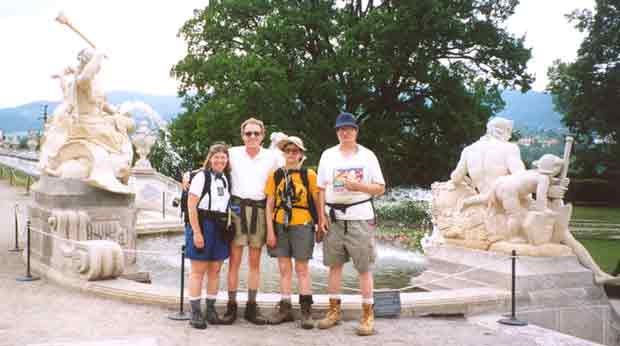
(306, 297)
(211, 303)
(232, 296)
(252, 296)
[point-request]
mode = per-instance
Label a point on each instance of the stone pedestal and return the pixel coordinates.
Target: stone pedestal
(99, 223)
(554, 292)
(483, 268)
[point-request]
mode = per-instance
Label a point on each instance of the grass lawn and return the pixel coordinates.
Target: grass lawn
(605, 252)
(611, 215)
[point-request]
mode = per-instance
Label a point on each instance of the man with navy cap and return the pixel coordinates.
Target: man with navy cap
(349, 176)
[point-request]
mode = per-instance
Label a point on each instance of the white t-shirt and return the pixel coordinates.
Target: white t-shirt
(219, 193)
(362, 166)
(249, 175)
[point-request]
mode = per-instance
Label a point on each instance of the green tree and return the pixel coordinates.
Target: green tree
(422, 76)
(586, 91)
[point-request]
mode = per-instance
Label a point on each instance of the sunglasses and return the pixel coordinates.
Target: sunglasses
(252, 133)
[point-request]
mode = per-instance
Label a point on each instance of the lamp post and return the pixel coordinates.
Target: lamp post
(44, 118)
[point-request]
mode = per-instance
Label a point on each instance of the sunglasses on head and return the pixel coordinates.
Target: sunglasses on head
(252, 133)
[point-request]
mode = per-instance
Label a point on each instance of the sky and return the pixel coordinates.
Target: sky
(140, 38)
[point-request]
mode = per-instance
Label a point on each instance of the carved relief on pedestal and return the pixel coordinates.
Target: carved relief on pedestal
(97, 260)
(92, 249)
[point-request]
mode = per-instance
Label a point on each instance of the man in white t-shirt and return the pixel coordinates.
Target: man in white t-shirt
(250, 166)
(349, 176)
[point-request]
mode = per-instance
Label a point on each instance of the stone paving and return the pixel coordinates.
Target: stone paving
(43, 313)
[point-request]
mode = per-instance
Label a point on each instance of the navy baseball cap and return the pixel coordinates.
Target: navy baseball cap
(346, 119)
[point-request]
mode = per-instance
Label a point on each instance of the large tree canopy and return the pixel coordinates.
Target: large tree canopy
(422, 76)
(587, 90)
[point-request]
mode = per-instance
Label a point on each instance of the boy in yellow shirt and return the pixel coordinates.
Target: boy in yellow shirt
(292, 201)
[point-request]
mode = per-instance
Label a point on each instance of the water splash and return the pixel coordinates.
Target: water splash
(155, 119)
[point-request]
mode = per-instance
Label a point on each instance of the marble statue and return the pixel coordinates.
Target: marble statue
(87, 138)
(490, 157)
(487, 204)
(144, 140)
(275, 138)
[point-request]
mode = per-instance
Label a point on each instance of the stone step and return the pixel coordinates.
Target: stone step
(432, 280)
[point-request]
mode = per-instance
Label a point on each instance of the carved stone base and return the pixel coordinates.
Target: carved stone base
(539, 280)
(85, 216)
(543, 250)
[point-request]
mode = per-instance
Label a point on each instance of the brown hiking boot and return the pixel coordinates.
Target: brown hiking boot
(253, 315)
(305, 303)
(367, 322)
(231, 313)
(283, 314)
(333, 316)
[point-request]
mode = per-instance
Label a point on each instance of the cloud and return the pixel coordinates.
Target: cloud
(140, 38)
(547, 32)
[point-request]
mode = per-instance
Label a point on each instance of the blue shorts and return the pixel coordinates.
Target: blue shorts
(215, 249)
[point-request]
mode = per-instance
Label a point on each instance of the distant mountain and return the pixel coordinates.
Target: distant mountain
(532, 110)
(27, 116)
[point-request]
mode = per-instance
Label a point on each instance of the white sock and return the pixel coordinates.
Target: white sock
(286, 297)
(368, 300)
(334, 296)
(190, 298)
(212, 296)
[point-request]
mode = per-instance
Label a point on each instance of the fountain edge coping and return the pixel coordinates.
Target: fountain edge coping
(466, 301)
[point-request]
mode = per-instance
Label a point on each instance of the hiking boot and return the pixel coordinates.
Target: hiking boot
(211, 314)
(197, 321)
(230, 316)
(283, 314)
(253, 315)
(305, 303)
(333, 316)
(367, 322)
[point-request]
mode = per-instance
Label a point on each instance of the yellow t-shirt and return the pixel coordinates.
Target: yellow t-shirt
(298, 216)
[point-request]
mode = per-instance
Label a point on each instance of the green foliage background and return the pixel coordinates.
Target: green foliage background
(586, 92)
(422, 76)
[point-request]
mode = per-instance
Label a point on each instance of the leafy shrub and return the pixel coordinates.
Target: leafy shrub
(406, 212)
(593, 191)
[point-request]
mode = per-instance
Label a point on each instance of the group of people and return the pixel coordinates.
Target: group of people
(247, 196)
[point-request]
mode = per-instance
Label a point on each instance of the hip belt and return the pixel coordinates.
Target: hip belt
(219, 218)
(342, 207)
(254, 205)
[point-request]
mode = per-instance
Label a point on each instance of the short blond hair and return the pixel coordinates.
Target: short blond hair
(255, 122)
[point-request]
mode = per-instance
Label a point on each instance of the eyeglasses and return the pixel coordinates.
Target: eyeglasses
(292, 151)
(252, 133)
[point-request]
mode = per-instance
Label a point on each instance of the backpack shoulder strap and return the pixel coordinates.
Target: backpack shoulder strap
(311, 207)
(278, 175)
(303, 172)
(206, 187)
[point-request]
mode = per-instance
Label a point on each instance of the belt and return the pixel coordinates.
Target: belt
(211, 215)
(254, 205)
(341, 207)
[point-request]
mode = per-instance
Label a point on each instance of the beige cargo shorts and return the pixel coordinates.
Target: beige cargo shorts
(347, 240)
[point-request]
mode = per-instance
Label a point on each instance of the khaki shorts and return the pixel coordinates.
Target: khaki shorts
(350, 240)
(255, 240)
